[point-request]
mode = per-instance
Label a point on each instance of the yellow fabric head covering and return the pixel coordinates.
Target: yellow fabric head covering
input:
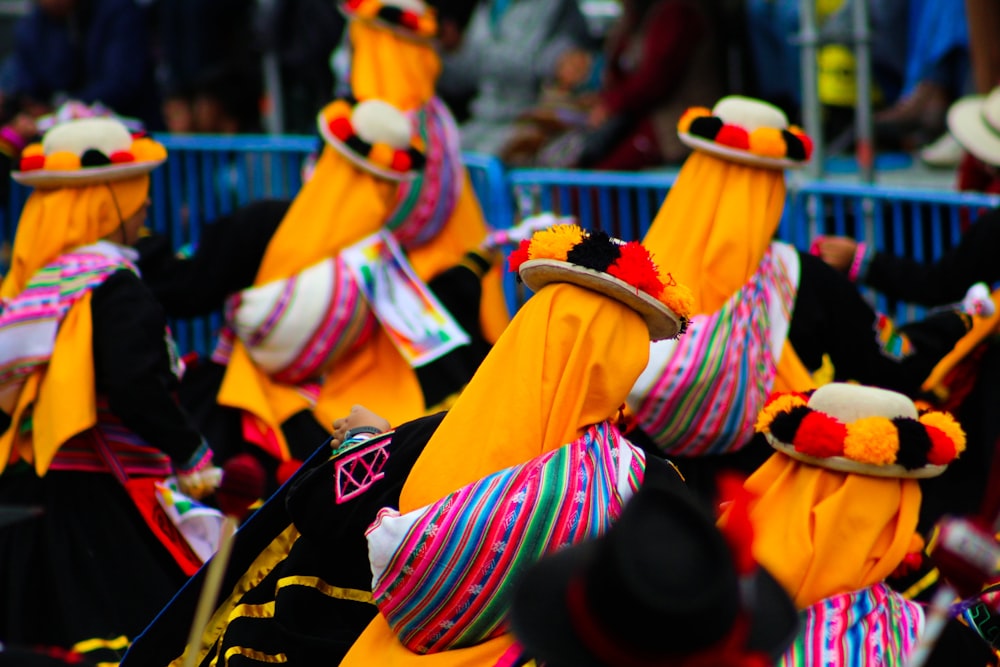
(567, 360)
(57, 220)
(821, 533)
(52, 223)
(716, 224)
(386, 66)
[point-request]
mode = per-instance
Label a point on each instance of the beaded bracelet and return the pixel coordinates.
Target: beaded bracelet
(859, 263)
(359, 430)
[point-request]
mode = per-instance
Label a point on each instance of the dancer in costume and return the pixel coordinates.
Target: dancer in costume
(535, 429)
(834, 512)
(88, 424)
(766, 315)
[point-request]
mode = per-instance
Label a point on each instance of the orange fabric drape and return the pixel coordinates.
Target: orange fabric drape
(715, 226)
(567, 360)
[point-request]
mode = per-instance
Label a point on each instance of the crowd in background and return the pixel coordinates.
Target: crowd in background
(560, 83)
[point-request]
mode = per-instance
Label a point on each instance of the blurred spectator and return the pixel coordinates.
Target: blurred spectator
(89, 50)
(508, 49)
(209, 67)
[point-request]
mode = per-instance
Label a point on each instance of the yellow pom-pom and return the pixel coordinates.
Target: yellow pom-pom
(784, 403)
(946, 423)
(554, 242)
(369, 9)
(678, 298)
(768, 142)
(62, 161)
(31, 150)
(419, 143)
(336, 109)
(427, 25)
(148, 150)
(872, 440)
(684, 124)
(382, 155)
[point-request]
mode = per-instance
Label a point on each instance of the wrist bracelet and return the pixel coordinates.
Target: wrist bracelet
(16, 141)
(359, 430)
(858, 262)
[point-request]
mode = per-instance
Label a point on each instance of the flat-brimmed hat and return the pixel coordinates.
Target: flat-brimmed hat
(974, 121)
(412, 19)
(374, 135)
(863, 430)
(87, 151)
(661, 587)
(748, 131)
(623, 271)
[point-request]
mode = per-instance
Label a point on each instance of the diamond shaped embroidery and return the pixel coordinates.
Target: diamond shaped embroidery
(356, 471)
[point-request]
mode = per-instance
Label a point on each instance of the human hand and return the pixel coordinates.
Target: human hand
(358, 417)
(837, 251)
(199, 483)
(573, 68)
(25, 126)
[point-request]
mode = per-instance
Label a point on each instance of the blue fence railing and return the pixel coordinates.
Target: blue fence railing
(207, 177)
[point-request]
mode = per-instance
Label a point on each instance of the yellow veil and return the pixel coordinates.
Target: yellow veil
(567, 360)
(404, 72)
(716, 224)
(821, 532)
(54, 222)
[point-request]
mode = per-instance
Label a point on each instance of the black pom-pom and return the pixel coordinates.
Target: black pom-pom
(417, 159)
(785, 425)
(358, 145)
(914, 443)
(596, 251)
(795, 150)
(391, 14)
(94, 158)
(706, 126)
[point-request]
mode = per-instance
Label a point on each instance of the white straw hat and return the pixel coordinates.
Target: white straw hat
(974, 121)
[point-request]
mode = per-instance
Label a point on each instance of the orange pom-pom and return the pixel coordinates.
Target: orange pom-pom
(776, 404)
(945, 422)
(382, 154)
(31, 150)
(427, 25)
(336, 109)
(62, 161)
(555, 242)
(734, 137)
(820, 435)
(678, 298)
(148, 150)
(872, 440)
(768, 142)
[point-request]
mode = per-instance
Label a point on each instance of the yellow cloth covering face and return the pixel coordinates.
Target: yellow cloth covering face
(567, 361)
(821, 532)
(404, 73)
(716, 224)
(52, 223)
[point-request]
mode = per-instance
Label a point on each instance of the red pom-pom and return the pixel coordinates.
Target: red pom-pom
(410, 20)
(519, 256)
(286, 469)
(943, 449)
(120, 157)
(820, 435)
(243, 481)
(734, 137)
(353, 4)
(401, 161)
(341, 128)
(32, 163)
(635, 266)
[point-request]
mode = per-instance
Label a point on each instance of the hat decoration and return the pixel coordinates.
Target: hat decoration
(374, 135)
(409, 18)
(624, 271)
(746, 130)
(86, 151)
(865, 430)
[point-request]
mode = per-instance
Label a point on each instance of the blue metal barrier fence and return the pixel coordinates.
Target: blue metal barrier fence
(207, 177)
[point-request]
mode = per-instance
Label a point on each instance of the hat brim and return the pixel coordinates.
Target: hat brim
(967, 125)
(385, 25)
(736, 155)
(359, 161)
(842, 464)
(542, 625)
(662, 321)
(42, 178)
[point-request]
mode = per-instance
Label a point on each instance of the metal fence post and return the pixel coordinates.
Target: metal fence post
(864, 139)
(812, 121)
